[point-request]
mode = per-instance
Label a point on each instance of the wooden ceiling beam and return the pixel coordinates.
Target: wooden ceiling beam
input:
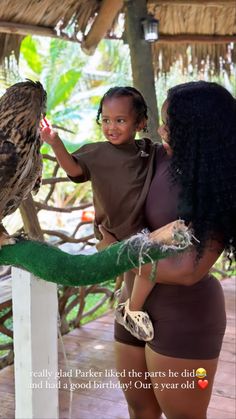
(21, 29)
(101, 25)
(196, 39)
(192, 2)
(14, 28)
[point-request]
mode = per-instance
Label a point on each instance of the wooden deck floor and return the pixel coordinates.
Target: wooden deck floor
(90, 351)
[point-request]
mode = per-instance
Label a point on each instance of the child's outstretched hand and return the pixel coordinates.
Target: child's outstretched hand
(47, 134)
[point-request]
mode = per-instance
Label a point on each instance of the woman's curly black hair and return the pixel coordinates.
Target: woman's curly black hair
(139, 104)
(201, 119)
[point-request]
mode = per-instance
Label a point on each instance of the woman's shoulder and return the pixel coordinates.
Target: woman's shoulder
(160, 153)
(157, 147)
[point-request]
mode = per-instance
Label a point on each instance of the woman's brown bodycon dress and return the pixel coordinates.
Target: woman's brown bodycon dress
(189, 321)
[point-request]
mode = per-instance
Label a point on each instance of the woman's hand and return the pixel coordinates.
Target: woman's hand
(168, 234)
(107, 239)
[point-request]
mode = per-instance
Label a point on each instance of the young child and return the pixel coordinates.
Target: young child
(120, 170)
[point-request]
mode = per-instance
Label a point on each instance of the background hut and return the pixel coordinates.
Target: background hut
(208, 26)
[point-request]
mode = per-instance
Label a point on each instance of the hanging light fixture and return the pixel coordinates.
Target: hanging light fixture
(150, 28)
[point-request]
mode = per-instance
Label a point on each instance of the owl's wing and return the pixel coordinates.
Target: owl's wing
(8, 162)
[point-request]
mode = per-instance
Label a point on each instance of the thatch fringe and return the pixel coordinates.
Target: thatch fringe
(205, 58)
(194, 19)
(57, 14)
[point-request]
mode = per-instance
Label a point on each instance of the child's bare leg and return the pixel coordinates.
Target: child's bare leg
(130, 314)
(141, 289)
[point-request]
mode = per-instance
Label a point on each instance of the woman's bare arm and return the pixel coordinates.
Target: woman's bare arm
(185, 268)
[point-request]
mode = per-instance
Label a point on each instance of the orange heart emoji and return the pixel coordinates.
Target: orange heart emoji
(202, 384)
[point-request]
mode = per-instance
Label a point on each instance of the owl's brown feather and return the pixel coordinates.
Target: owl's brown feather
(21, 109)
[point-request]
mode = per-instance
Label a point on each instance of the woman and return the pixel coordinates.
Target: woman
(195, 179)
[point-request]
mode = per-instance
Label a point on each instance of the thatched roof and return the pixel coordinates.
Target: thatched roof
(200, 33)
(207, 26)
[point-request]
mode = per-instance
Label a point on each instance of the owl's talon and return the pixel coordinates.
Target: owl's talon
(5, 239)
(20, 236)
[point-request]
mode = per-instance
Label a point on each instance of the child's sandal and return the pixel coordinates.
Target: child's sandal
(138, 323)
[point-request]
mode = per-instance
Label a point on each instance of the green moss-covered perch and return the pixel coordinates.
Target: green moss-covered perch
(54, 265)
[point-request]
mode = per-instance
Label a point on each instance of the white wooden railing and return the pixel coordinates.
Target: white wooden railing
(35, 308)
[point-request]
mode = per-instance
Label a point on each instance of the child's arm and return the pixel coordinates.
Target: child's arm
(107, 239)
(65, 159)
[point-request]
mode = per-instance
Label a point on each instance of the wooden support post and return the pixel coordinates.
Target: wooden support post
(35, 346)
(141, 61)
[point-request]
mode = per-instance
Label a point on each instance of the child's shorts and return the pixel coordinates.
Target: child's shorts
(189, 321)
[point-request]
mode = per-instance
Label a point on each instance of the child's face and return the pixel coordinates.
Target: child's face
(119, 120)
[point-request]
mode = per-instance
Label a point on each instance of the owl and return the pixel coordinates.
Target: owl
(21, 109)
